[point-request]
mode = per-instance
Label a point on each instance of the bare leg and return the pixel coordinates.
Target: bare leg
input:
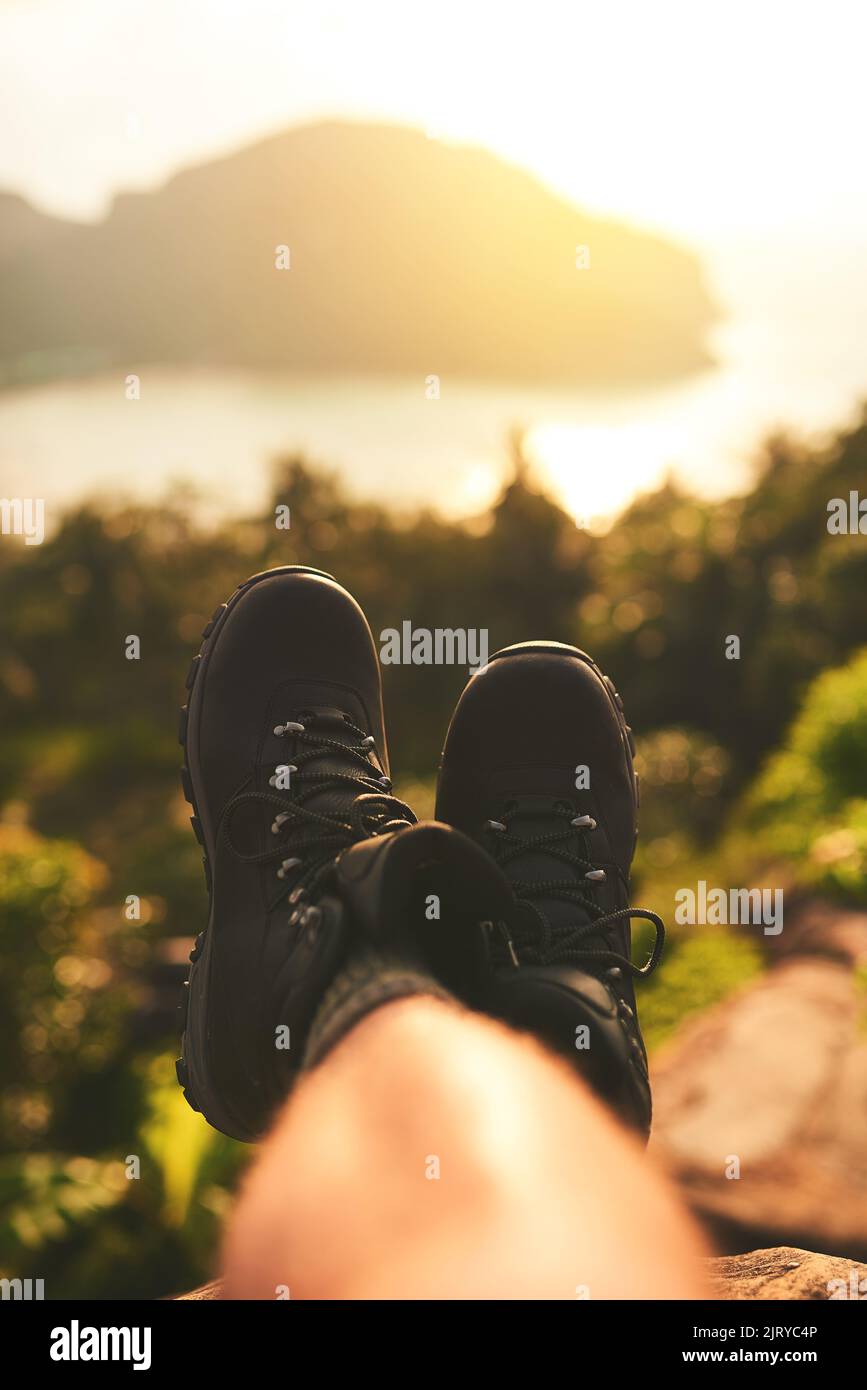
(539, 1193)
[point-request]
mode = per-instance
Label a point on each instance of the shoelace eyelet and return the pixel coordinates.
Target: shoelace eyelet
(567, 943)
(309, 920)
(287, 865)
(382, 811)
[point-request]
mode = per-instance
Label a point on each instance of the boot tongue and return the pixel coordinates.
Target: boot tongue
(534, 816)
(260, 823)
(329, 723)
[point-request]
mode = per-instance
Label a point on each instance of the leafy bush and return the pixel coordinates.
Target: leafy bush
(697, 972)
(80, 1099)
(809, 803)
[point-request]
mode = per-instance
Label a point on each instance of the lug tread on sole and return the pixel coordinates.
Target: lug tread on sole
(187, 784)
(210, 627)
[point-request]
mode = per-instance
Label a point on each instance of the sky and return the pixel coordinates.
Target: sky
(710, 122)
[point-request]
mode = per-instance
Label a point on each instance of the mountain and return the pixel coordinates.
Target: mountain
(407, 255)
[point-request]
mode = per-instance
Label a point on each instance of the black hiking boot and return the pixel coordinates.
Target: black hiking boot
(286, 766)
(537, 768)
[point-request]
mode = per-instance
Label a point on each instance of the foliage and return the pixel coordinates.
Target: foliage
(699, 971)
(809, 803)
(91, 811)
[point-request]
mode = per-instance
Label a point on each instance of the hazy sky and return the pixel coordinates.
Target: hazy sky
(707, 120)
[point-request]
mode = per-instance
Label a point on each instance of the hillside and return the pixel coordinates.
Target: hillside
(407, 255)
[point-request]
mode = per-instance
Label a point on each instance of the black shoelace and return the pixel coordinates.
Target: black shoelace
(318, 835)
(538, 942)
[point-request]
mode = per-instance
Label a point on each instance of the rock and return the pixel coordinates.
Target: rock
(815, 927)
(206, 1292)
(772, 1085)
(786, 1272)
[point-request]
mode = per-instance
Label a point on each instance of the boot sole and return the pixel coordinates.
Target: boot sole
(200, 953)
